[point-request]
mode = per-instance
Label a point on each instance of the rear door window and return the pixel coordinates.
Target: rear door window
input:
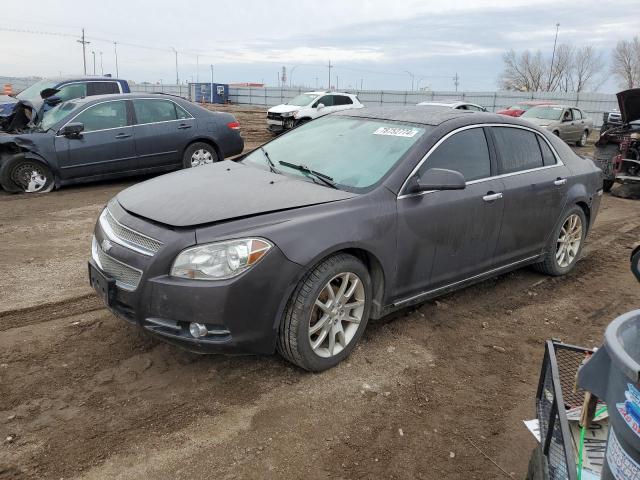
(154, 110)
(341, 100)
(102, 88)
(548, 158)
(466, 152)
(577, 114)
(104, 116)
(518, 149)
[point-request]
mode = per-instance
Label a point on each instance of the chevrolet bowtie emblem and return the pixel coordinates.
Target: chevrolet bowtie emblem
(106, 245)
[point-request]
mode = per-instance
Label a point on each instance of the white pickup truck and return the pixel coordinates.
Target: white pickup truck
(308, 106)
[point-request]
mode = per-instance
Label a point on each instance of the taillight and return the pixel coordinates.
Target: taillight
(234, 125)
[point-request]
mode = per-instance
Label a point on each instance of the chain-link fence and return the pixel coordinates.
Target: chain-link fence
(593, 104)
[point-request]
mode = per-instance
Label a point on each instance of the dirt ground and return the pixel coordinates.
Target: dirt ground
(434, 392)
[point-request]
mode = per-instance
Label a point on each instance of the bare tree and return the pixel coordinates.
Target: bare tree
(560, 71)
(524, 72)
(587, 65)
(625, 62)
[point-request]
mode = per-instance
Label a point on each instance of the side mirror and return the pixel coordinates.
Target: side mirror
(438, 179)
(72, 130)
(53, 101)
(320, 106)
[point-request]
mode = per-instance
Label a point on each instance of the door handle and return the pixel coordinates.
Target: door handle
(184, 125)
(492, 197)
(123, 135)
(559, 181)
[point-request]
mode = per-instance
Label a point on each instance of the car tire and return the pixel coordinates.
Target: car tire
(556, 133)
(21, 174)
(198, 154)
(565, 244)
(583, 139)
(338, 320)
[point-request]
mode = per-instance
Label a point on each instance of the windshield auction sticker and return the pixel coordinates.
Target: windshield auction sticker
(622, 466)
(396, 132)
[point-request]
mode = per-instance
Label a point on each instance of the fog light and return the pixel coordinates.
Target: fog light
(198, 330)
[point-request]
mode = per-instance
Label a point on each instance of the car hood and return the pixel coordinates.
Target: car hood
(284, 108)
(541, 122)
(221, 192)
(629, 104)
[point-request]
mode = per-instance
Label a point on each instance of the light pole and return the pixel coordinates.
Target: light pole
(84, 55)
(412, 77)
(94, 61)
(553, 56)
(101, 68)
(177, 77)
(211, 83)
(115, 50)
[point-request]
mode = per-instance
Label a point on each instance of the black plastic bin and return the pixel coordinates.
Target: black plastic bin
(613, 375)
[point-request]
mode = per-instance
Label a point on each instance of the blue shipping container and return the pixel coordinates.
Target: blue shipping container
(209, 92)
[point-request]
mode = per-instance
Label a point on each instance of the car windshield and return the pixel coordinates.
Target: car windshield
(354, 152)
(57, 113)
(547, 113)
(302, 100)
(33, 92)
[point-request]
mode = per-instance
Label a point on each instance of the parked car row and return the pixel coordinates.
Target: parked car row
(107, 136)
(335, 230)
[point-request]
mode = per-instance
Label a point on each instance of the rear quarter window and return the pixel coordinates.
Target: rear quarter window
(102, 88)
(518, 149)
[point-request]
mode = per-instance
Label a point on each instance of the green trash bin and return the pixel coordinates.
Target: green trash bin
(613, 375)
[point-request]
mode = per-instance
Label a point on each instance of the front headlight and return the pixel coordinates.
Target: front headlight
(289, 114)
(220, 260)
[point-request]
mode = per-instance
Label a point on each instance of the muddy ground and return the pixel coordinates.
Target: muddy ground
(84, 395)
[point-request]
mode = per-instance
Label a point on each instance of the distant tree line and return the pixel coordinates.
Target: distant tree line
(571, 69)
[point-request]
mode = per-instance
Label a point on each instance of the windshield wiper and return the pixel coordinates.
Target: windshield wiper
(272, 165)
(326, 179)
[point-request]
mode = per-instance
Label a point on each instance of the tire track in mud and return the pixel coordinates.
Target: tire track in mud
(50, 311)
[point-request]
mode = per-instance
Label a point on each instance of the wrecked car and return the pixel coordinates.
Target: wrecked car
(349, 217)
(17, 114)
(618, 148)
(109, 136)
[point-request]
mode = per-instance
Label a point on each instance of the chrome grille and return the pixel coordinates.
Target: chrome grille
(126, 277)
(127, 237)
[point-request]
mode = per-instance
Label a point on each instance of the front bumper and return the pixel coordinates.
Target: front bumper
(242, 314)
(277, 126)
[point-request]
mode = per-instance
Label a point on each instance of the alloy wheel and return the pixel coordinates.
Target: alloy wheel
(569, 241)
(201, 157)
(30, 177)
(336, 314)
(583, 139)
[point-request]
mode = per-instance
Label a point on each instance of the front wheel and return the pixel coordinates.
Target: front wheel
(25, 175)
(565, 245)
(198, 154)
(326, 314)
(583, 139)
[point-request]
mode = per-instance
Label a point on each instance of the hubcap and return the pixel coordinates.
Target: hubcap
(569, 241)
(29, 176)
(584, 138)
(201, 157)
(336, 314)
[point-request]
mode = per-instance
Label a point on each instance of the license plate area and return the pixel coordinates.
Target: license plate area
(103, 285)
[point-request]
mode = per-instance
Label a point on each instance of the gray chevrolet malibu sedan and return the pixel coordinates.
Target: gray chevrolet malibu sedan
(295, 246)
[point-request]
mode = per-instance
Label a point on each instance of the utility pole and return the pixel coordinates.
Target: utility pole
(329, 86)
(94, 61)
(211, 83)
(553, 56)
(101, 67)
(361, 80)
(337, 83)
(84, 55)
(197, 68)
(177, 77)
(115, 50)
(456, 81)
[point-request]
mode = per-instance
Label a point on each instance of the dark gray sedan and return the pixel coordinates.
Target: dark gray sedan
(109, 136)
(295, 246)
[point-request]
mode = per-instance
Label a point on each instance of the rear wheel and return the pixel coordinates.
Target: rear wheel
(565, 245)
(25, 175)
(198, 154)
(327, 314)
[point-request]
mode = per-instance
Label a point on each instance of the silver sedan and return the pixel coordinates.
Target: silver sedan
(569, 123)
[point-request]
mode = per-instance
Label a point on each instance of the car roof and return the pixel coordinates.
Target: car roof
(116, 96)
(327, 93)
(426, 115)
(83, 79)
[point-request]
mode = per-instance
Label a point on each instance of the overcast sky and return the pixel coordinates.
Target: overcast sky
(374, 42)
